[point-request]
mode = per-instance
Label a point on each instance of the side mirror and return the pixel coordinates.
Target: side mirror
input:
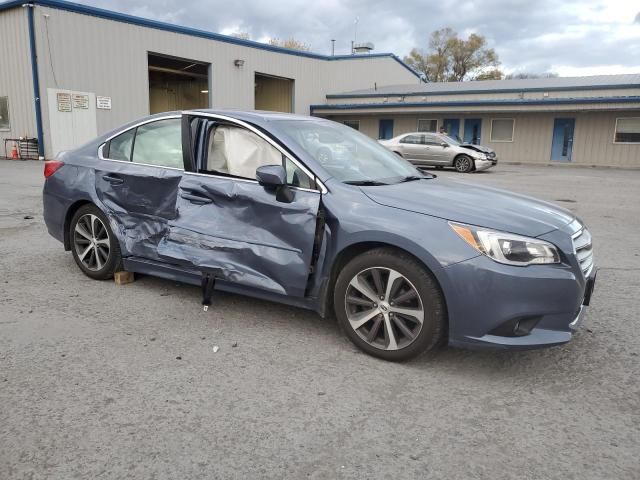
(271, 176)
(444, 144)
(275, 177)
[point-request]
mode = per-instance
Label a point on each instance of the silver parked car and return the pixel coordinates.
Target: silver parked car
(439, 150)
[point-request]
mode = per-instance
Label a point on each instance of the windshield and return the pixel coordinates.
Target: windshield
(347, 154)
(452, 141)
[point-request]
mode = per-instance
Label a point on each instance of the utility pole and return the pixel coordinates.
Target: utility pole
(333, 47)
(355, 34)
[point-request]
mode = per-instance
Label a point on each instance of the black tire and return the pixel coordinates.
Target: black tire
(463, 164)
(105, 269)
(433, 327)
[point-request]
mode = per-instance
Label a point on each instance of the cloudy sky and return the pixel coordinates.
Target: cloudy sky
(570, 37)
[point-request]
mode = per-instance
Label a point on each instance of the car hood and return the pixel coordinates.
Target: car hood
(477, 148)
(473, 204)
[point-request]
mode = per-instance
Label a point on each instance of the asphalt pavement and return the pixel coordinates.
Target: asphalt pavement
(99, 381)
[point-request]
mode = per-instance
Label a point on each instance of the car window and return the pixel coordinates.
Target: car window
(120, 146)
(345, 153)
(238, 152)
(159, 143)
(296, 177)
(413, 139)
(432, 140)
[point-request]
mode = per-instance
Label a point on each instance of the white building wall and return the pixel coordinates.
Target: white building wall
(465, 97)
(15, 75)
(593, 141)
(109, 58)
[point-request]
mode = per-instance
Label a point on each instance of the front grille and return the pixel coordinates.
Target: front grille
(584, 249)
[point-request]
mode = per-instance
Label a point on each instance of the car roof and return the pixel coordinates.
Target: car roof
(419, 133)
(255, 115)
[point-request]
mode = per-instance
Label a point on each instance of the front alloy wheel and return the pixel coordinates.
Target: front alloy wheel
(384, 308)
(389, 304)
(463, 164)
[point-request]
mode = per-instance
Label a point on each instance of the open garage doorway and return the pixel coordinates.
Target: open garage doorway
(177, 83)
(273, 93)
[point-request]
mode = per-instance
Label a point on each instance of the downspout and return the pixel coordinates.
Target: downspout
(36, 81)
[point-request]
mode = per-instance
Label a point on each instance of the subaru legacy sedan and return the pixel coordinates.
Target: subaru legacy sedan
(439, 150)
(245, 200)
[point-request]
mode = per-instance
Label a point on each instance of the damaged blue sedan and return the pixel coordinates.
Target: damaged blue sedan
(312, 213)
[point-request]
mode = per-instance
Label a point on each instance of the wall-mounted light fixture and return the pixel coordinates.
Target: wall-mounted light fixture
(238, 63)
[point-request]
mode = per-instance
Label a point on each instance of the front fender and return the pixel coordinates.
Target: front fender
(430, 239)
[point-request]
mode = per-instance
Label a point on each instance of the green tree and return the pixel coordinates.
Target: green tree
(523, 75)
(495, 74)
(450, 58)
(290, 43)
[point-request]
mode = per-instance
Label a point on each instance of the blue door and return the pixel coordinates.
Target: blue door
(562, 143)
(472, 130)
(385, 130)
(452, 127)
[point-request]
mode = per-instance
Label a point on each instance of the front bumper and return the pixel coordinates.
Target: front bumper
(484, 164)
(492, 300)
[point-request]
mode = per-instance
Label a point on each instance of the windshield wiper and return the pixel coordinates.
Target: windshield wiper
(365, 183)
(411, 178)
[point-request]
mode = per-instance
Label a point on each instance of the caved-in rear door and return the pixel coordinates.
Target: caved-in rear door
(140, 200)
(138, 181)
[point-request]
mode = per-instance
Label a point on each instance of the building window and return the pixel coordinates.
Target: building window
(502, 129)
(627, 130)
(4, 113)
(428, 125)
(355, 124)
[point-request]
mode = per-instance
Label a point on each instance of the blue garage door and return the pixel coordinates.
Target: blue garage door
(385, 130)
(472, 130)
(562, 143)
(452, 127)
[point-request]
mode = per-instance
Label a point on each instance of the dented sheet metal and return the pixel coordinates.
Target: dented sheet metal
(233, 227)
(241, 229)
(139, 200)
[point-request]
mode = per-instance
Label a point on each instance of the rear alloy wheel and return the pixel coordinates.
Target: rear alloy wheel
(93, 244)
(389, 305)
(463, 164)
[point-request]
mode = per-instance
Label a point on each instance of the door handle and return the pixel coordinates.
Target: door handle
(113, 179)
(196, 198)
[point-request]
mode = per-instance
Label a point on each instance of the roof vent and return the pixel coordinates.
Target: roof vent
(363, 47)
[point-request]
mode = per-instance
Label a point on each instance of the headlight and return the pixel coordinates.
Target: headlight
(506, 247)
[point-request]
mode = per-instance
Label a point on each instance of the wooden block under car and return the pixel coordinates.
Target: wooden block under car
(122, 278)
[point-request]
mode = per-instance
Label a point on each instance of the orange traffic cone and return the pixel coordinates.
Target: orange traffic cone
(14, 153)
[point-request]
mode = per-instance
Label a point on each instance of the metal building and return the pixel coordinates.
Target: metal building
(69, 72)
(583, 120)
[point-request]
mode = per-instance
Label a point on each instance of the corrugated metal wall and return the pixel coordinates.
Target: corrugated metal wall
(524, 95)
(274, 94)
(592, 142)
(15, 75)
(109, 58)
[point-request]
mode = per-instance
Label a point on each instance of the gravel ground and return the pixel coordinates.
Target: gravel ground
(106, 381)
